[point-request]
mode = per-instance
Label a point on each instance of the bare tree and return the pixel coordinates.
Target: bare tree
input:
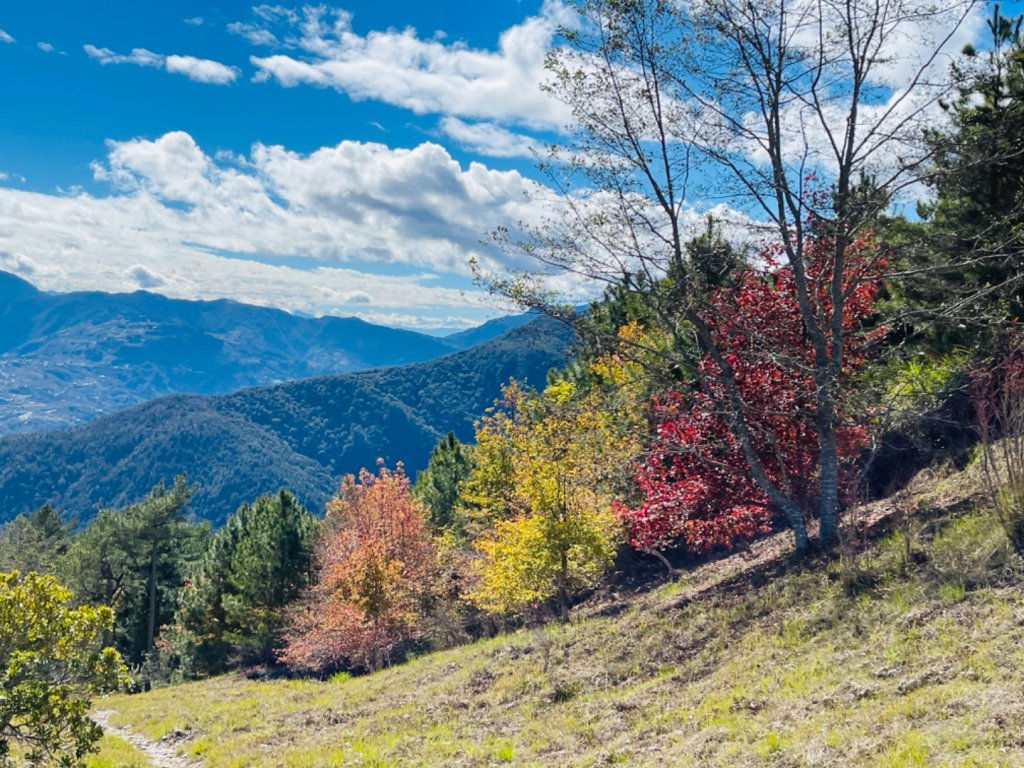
(795, 117)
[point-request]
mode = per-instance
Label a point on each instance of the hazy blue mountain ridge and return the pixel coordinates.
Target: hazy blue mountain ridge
(66, 358)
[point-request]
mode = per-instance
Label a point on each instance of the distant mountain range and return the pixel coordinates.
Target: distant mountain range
(302, 435)
(66, 358)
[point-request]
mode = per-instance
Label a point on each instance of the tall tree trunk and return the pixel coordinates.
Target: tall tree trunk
(828, 500)
(151, 626)
(795, 520)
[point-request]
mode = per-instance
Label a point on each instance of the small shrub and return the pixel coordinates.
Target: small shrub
(1009, 509)
(997, 393)
(565, 691)
(505, 753)
(858, 575)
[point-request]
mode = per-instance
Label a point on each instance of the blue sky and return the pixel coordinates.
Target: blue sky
(326, 160)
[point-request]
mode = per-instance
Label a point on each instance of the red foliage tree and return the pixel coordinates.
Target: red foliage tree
(696, 480)
(376, 560)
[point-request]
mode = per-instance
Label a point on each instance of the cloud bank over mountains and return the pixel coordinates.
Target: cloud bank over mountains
(275, 227)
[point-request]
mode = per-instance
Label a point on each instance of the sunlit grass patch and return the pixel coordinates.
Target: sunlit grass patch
(115, 752)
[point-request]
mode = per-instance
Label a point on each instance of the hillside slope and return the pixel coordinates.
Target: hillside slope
(303, 435)
(910, 653)
(66, 358)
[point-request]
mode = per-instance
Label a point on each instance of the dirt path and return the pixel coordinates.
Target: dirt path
(162, 753)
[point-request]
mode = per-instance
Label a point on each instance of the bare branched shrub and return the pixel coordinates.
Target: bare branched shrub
(998, 395)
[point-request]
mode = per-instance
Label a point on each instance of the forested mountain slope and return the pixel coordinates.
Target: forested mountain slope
(303, 434)
(66, 358)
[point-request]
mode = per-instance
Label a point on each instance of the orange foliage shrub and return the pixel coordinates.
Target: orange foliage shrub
(376, 563)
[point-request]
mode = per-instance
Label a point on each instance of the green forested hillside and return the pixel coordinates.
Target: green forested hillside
(302, 435)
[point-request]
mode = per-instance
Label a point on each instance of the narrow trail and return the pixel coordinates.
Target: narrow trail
(162, 753)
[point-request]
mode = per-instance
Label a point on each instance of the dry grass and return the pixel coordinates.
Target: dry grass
(908, 653)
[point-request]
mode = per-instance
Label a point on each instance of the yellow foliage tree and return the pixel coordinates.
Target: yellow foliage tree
(542, 487)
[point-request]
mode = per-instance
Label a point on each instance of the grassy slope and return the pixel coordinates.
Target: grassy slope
(908, 654)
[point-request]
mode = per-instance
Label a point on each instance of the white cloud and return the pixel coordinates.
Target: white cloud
(5, 38)
(253, 33)
(45, 47)
(424, 75)
(19, 265)
(489, 139)
(201, 70)
(308, 232)
(139, 56)
(386, 233)
(195, 21)
(198, 70)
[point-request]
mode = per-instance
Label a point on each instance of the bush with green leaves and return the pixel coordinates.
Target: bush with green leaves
(53, 658)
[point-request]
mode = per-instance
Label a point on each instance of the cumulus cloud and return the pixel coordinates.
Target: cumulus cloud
(351, 202)
(357, 228)
(489, 139)
(45, 47)
(199, 70)
(139, 56)
(19, 265)
(5, 38)
(422, 74)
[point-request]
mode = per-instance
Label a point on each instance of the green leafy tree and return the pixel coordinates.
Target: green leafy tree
(35, 541)
(52, 660)
(437, 486)
(234, 607)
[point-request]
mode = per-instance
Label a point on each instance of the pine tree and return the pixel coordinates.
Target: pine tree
(33, 542)
(437, 486)
(134, 560)
(257, 563)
